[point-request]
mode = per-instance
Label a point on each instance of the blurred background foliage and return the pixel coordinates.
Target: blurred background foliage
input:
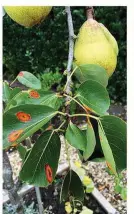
(43, 49)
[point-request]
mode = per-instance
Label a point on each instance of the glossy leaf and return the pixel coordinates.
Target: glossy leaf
(16, 130)
(46, 151)
(94, 96)
(75, 137)
(46, 98)
(97, 153)
(6, 91)
(91, 141)
(116, 131)
(29, 80)
(72, 185)
(93, 72)
(107, 151)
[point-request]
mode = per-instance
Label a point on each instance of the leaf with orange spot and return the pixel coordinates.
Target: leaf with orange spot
(39, 116)
(41, 97)
(29, 80)
(108, 154)
(45, 155)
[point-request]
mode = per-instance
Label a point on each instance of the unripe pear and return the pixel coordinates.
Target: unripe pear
(28, 16)
(96, 45)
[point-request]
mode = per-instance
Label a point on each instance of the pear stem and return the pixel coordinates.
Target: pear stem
(90, 13)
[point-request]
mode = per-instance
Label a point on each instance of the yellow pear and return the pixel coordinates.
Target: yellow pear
(28, 16)
(96, 45)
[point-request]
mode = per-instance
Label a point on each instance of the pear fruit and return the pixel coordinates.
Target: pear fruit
(96, 45)
(28, 16)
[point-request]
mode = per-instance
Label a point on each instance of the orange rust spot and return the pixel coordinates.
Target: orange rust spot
(14, 135)
(23, 117)
(14, 144)
(49, 127)
(87, 108)
(109, 166)
(34, 94)
(49, 173)
(21, 74)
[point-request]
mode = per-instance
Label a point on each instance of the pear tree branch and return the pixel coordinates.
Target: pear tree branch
(71, 50)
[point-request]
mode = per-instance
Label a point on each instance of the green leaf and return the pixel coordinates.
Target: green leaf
(12, 101)
(14, 92)
(107, 150)
(29, 80)
(93, 72)
(94, 96)
(72, 185)
(22, 151)
(91, 141)
(6, 91)
(46, 98)
(117, 189)
(97, 153)
(124, 193)
(46, 151)
(115, 130)
(37, 115)
(75, 137)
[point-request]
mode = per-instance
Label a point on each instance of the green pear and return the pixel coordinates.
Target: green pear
(96, 45)
(28, 16)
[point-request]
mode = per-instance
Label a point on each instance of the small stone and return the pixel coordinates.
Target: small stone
(50, 207)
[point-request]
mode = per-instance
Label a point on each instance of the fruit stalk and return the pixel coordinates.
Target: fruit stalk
(90, 12)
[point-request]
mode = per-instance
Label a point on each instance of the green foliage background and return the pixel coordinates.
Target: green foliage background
(44, 48)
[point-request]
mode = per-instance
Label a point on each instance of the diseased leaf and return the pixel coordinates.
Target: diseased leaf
(42, 97)
(107, 151)
(41, 163)
(22, 121)
(29, 80)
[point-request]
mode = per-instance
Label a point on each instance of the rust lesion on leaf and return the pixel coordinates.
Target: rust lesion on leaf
(49, 173)
(110, 167)
(88, 109)
(14, 135)
(23, 117)
(21, 74)
(34, 94)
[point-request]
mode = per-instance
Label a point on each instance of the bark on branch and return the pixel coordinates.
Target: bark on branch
(71, 49)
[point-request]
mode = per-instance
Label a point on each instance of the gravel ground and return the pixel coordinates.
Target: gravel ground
(103, 181)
